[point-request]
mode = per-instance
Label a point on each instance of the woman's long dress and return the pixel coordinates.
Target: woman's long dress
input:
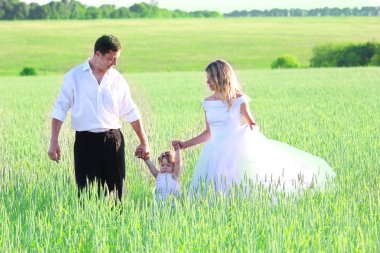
(235, 155)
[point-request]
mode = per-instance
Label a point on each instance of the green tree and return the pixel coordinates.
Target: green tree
(179, 14)
(8, 8)
(106, 10)
(20, 11)
(140, 10)
(92, 13)
(77, 10)
(122, 12)
(37, 12)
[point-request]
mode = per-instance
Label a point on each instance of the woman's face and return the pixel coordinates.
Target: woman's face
(210, 83)
(166, 166)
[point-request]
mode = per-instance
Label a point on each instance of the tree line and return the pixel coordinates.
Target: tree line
(364, 11)
(71, 9)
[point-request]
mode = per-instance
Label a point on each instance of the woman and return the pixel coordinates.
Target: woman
(235, 154)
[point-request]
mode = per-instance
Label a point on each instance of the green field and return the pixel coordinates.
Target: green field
(332, 113)
(53, 47)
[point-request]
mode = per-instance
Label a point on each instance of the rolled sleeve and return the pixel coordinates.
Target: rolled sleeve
(132, 114)
(128, 108)
(59, 115)
(64, 100)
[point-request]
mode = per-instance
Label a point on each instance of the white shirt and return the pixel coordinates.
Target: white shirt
(166, 185)
(95, 107)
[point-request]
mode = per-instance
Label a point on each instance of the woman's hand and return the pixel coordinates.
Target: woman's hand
(254, 127)
(178, 143)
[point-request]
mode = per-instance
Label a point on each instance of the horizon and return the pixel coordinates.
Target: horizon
(226, 6)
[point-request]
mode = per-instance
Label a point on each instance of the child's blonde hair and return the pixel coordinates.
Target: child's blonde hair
(169, 155)
(223, 75)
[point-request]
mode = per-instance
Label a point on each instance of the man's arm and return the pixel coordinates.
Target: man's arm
(54, 149)
(143, 148)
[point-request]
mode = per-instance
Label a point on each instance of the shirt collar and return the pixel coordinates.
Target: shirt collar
(86, 65)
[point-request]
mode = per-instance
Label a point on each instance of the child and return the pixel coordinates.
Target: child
(167, 177)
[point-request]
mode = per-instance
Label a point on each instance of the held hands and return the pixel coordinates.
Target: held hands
(145, 157)
(141, 155)
(142, 151)
(178, 144)
(176, 147)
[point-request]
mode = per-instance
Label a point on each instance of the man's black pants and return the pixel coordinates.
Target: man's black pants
(99, 157)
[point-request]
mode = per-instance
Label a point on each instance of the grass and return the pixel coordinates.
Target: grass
(167, 45)
(332, 113)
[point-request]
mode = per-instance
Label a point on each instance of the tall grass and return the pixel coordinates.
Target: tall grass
(332, 113)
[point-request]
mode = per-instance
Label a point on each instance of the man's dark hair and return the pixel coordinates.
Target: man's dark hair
(107, 43)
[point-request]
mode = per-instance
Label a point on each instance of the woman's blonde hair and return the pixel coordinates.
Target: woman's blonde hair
(223, 76)
(169, 155)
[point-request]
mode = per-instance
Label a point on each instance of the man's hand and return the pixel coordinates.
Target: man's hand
(54, 152)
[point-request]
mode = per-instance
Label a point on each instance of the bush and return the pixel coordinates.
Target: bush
(285, 61)
(28, 72)
(345, 55)
(326, 55)
(375, 60)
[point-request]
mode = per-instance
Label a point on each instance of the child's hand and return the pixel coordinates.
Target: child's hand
(177, 147)
(146, 156)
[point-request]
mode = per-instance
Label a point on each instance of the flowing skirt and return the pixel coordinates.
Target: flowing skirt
(247, 157)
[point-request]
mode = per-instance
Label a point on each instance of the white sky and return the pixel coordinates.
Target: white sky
(231, 5)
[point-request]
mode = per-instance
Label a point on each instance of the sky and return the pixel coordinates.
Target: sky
(225, 6)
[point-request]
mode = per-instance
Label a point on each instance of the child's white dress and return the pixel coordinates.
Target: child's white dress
(166, 185)
(236, 154)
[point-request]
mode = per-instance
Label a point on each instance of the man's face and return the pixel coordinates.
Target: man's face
(108, 60)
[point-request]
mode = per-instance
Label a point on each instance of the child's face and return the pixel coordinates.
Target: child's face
(166, 166)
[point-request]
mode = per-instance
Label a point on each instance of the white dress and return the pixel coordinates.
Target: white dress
(166, 185)
(235, 154)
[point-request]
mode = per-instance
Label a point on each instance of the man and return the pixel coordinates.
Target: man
(98, 96)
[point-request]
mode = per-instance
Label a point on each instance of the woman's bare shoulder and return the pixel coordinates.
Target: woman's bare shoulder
(210, 98)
